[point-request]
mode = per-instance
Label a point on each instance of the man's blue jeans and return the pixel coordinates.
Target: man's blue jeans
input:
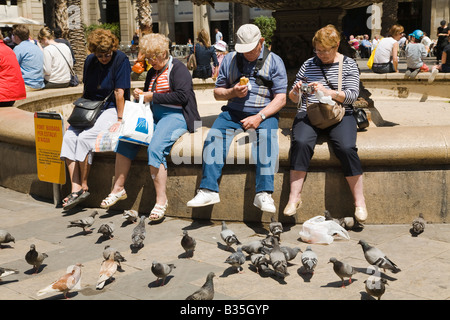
(264, 142)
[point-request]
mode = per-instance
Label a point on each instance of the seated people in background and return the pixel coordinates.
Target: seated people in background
(415, 51)
(385, 59)
(57, 32)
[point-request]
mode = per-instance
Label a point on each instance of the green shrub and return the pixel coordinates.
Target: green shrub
(114, 27)
(267, 25)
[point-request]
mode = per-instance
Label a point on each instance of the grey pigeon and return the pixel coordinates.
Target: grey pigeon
(275, 227)
(107, 229)
(206, 292)
(376, 257)
(252, 247)
(117, 255)
(138, 234)
(290, 253)
(268, 241)
(188, 243)
(6, 237)
(107, 271)
(278, 259)
(236, 259)
(260, 262)
(162, 270)
(309, 259)
(328, 216)
(131, 215)
(228, 236)
(84, 222)
(4, 272)
(343, 270)
(376, 286)
(35, 258)
(418, 225)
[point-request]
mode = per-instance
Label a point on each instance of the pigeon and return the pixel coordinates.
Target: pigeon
(162, 270)
(328, 216)
(275, 227)
(343, 270)
(107, 229)
(107, 270)
(138, 235)
(252, 247)
(418, 225)
(376, 286)
(6, 237)
(117, 256)
(268, 242)
(188, 243)
(131, 216)
(84, 222)
(35, 258)
(236, 259)
(260, 262)
(4, 272)
(228, 236)
(206, 292)
(67, 282)
(278, 259)
(290, 253)
(376, 257)
(309, 259)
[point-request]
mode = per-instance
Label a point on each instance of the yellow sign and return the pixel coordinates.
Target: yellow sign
(49, 133)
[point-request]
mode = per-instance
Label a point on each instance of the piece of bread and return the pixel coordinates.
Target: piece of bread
(243, 81)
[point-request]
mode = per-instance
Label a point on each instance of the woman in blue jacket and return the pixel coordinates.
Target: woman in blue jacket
(204, 52)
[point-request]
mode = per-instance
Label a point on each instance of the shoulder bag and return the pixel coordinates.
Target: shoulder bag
(192, 61)
(73, 76)
(323, 115)
(86, 112)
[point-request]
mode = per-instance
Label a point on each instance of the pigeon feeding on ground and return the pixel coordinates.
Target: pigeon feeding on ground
(260, 262)
(84, 222)
(162, 270)
(206, 292)
(346, 222)
(252, 247)
(188, 243)
(309, 259)
(67, 282)
(236, 259)
(278, 259)
(376, 257)
(107, 271)
(418, 225)
(290, 253)
(275, 227)
(228, 236)
(4, 272)
(343, 270)
(131, 216)
(6, 237)
(107, 229)
(138, 235)
(117, 256)
(35, 258)
(376, 286)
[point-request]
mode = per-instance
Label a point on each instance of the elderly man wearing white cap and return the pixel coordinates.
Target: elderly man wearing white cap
(253, 81)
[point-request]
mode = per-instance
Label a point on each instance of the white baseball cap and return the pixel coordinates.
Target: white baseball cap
(247, 38)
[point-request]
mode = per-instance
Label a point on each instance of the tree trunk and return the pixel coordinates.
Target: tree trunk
(144, 16)
(61, 17)
(76, 34)
(389, 17)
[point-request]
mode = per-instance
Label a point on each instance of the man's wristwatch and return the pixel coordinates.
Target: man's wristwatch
(262, 115)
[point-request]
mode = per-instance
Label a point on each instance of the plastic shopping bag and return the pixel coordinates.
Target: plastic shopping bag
(321, 231)
(107, 141)
(137, 122)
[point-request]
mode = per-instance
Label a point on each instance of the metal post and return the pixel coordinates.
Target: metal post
(231, 26)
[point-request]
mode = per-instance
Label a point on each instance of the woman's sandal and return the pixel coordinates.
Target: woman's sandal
(112, 199)
(159, 211)
(75, 198)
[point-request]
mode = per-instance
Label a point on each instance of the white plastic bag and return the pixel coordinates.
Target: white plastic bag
(107, 141)
(137, 122)
(321, 231)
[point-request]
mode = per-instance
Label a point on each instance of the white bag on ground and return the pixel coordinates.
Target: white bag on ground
(137, 122)
(321, 231)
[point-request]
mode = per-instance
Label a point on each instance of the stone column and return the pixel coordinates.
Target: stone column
(201, 19)
(167, 18)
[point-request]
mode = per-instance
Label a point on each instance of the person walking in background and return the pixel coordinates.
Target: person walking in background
(221, 52)
(106, 73)
(57, 60)
(30, 58)
(443, 32)
(12, 86)
(204, 53)
(386, 54)
(219, 35)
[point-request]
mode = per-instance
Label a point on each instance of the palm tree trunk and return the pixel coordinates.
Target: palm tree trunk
(76, 34)
(61, 16)
(389, 17)
(144, 16)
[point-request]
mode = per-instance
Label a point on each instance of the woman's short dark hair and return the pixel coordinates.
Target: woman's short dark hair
(21, 31)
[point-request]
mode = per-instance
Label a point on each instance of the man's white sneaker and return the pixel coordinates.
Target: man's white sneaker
(264, 201)
(433, 75)
(204, 197)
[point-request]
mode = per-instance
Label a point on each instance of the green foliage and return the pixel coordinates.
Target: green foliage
(114, 27)
(267, 25)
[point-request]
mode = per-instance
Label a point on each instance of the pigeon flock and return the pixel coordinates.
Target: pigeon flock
(267, 257)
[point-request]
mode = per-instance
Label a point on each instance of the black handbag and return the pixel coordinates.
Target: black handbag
(361, 118)
(86, 112)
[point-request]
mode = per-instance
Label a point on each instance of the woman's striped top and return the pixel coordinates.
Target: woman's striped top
(310, 72)
(162, 86)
